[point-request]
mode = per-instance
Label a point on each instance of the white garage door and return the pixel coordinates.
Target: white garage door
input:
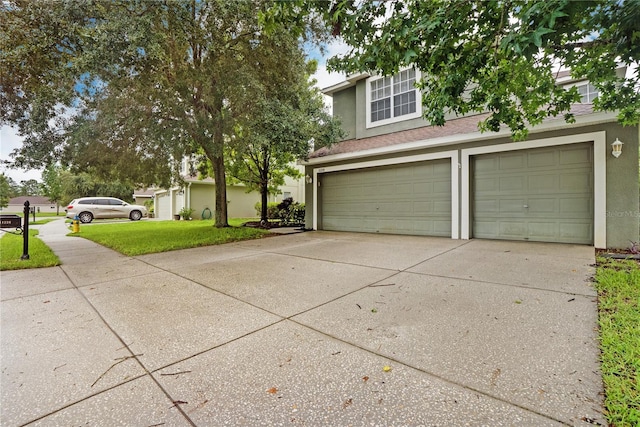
(163, 206)
(542, 194)
(408, 199)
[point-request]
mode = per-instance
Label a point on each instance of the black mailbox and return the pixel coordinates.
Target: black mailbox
(10, 221)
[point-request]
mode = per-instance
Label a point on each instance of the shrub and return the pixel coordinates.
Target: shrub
(272, 210)
(287, 211)
(185, 213)
(290, 212)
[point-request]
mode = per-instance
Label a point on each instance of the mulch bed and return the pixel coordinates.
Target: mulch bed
(269, 225)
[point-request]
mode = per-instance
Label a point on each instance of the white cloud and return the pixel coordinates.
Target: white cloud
(323, 77)
(9, 140)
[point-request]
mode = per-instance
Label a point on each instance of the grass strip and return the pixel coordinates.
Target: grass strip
(146, 237)
(11, 248)
(618, 284)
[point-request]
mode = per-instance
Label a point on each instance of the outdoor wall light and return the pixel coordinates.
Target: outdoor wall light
(616, 148)
(308, 179)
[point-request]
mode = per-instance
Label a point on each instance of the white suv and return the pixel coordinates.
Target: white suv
(88, 208)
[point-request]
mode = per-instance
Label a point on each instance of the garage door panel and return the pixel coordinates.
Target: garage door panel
(576, 155)
(511, 206)
(486, 164)
(486, 206)
(442, 208)
(485, 229)
(543, 183)
(541, 206)
(577, 207)
(510, 161)
(542, 230)
(543, 158)
(442, 187)
(404, 199)
(575, 181)
(543, 194)
(512, 183)
(575, 230)
(512, 228)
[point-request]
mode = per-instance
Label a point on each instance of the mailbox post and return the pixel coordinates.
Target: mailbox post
(25, 232)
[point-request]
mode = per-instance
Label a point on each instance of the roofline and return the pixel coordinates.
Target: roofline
(350, 81)
(590, 119)
(564, 77)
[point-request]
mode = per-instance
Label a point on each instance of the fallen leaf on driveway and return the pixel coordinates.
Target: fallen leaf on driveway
(386, 369)
(272, 390)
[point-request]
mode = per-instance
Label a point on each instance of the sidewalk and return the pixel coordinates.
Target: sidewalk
(313, 328)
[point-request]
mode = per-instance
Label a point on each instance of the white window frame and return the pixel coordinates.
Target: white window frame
(392, 119)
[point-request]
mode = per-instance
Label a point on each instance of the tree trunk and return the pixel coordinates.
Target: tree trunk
(264, 189)
(264, 211)
(221, 192)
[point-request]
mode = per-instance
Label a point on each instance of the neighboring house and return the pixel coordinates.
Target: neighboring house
(41, 204)
(199, 195)
(140, 196)
(394, 173)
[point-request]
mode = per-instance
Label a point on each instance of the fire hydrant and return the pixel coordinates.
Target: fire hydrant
(75, 225)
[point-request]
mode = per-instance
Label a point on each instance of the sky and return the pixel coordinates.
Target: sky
(9, 140)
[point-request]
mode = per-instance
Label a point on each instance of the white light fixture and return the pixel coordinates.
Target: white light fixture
(616, 148)
(308, 179)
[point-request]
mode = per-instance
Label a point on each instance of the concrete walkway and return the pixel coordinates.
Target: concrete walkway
(313, 328)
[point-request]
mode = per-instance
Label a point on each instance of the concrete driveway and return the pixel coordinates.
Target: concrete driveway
(314, 328)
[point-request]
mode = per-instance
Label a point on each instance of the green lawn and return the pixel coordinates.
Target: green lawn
(618, 284)
(11, 249)
(145, 237)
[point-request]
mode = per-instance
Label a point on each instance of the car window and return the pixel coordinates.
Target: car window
(102, 202)
(86, 202)
(116, 202)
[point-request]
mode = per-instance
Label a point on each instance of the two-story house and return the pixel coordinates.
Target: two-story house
(394, 173)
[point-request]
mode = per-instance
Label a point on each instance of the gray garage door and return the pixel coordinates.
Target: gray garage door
(408, 199)
(543, 194)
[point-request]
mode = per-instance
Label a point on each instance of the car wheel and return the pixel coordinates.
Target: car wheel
(85, 217)
(135, 215)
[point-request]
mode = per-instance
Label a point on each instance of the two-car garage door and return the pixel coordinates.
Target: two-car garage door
(540, 194)
(543, 194)
(409, 199)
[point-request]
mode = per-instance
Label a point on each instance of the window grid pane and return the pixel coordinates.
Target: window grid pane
(381, 110)
(404, 100)
(381, 99)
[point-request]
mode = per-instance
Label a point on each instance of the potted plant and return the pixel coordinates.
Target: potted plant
(185, 213)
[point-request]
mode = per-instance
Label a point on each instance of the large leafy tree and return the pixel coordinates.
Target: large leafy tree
(126, 87)
(282, 126)
(500, 56)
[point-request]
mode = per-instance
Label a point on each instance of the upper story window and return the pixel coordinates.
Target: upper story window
(391, 99)
(588, 93)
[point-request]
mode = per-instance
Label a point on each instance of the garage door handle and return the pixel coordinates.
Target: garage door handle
(526, 206)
